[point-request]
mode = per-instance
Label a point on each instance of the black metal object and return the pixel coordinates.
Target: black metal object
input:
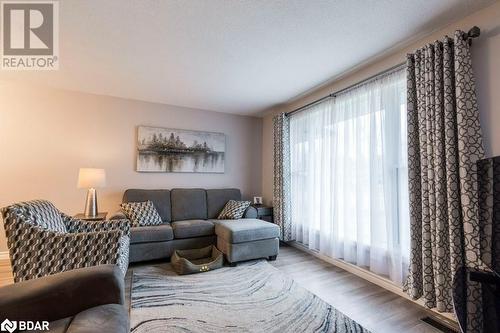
(488, 179)
(490, 278)
(474, 32)
(436, 324)
(486, 281)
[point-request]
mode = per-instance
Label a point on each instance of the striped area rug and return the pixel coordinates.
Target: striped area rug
(252, 297)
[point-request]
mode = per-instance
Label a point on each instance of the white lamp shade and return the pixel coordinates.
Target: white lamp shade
(91, 178)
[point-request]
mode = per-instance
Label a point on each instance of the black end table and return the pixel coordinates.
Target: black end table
(264, 212)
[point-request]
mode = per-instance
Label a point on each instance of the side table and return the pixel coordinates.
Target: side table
(100, 217)
(264, 212)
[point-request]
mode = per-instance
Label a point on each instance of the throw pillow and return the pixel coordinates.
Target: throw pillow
(234, 210)
(141, 213)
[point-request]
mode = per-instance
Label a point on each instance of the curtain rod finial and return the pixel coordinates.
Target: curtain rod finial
(474, 32)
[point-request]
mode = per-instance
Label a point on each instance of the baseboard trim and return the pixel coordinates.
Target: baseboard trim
(4, 255)
(447, 319)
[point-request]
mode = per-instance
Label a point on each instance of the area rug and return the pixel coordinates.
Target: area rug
(252, 297)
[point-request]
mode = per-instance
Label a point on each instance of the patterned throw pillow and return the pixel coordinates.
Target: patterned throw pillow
(43, 214)
(234, 210)
(141, 213)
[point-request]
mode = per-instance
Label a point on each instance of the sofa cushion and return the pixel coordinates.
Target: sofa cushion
(103, 318)
(245, 230)
(141, 213)
(155, 233)
(192, 228)
(159, 198)
(217, 199)
(233, 210)
(188, 204)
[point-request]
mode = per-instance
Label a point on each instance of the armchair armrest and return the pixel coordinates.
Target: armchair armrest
(62, 295)
(76, 225)
(45, 252)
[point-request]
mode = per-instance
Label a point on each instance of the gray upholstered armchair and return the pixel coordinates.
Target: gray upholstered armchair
(43, 241)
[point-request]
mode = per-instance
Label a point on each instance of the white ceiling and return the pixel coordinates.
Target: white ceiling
(235, 56)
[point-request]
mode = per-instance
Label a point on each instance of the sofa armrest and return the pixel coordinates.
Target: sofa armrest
(63, 294)
(250, 213)
(118, 215)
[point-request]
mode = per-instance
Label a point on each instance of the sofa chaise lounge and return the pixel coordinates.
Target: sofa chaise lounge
(190, 221)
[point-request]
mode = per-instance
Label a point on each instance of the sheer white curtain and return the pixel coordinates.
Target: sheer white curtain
(349, 177)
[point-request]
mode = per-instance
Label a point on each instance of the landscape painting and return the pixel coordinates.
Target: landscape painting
(174, 150)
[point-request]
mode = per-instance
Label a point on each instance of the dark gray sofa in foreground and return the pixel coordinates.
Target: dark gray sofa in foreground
(87, 299)
(190, 221)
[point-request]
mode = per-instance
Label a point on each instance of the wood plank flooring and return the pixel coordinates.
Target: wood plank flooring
(373, 307)
(5, 273)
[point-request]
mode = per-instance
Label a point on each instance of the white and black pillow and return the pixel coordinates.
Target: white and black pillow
(141, 213)
(234, 210)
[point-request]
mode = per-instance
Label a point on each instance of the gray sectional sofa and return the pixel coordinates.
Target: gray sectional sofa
(89, 299)
(190, 221)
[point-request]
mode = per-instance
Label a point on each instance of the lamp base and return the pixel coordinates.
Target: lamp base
(91, 203)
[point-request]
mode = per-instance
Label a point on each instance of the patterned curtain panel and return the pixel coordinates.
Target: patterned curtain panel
(281, 197)
(444, 143)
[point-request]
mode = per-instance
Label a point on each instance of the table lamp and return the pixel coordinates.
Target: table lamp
(90, 179)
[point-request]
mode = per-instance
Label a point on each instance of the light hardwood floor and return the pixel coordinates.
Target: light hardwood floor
(373, 307)
(5, 273)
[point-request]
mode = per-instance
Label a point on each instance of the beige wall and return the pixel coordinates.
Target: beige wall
(486, 62)
(46, 135)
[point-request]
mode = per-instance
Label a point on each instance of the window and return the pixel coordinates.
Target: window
(349, 176)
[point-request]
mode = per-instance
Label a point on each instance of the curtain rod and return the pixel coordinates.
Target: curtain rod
(474, 32)
(352, 86)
